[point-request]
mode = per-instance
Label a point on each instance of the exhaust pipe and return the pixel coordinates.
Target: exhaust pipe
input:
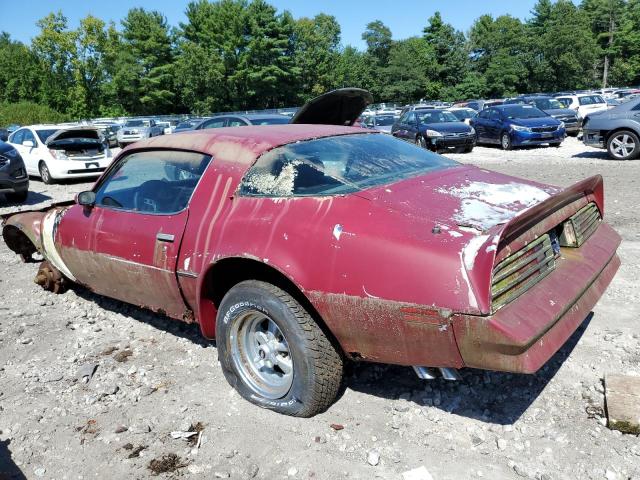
(425, 373)
(428, 373)
(450, 374)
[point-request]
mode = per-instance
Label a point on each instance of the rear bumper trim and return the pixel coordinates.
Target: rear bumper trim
(523, 335)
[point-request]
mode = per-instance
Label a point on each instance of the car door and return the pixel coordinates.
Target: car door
(126, 245)
(494, 126)
(29, 152)
(411, 127)
(400, 128)
(480, 125)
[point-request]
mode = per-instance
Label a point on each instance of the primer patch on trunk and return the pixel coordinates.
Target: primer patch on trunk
(484, 205)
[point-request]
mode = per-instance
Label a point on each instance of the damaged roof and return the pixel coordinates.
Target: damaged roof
(242, 145)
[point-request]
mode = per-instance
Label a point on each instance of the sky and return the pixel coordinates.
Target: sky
(406, 18)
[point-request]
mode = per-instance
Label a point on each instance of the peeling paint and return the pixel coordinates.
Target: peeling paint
(485, 205)
(471, 249)
(337, 231)
(367, 293)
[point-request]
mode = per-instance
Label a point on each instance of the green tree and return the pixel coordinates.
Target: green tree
(378, 39)
(605, 17)
(54, 47)
(450, 54)
(626, 68)
(499, 52)
(316, 52)
(19, 72)
(89, 69)
(266, 68)
(355, 69)
(406, 75)
(144, 67)
(565, 54)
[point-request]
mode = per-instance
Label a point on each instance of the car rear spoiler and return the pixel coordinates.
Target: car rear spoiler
(589, 187)
(502, 240)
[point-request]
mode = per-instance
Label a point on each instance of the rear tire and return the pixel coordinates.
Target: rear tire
(555, 144)
(624, 145)
(505, 141)
(273, 352)
(45, 174)
(468, 150)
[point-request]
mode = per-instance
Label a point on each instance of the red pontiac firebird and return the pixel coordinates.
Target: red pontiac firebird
(299, 246)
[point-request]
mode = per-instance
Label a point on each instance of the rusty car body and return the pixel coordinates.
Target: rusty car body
(451, 266)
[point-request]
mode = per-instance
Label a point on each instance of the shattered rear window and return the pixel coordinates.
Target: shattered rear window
(338, 165)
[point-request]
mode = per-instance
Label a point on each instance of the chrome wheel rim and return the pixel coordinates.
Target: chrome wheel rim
(44, 173)
(420, 142)
(505, 142)
(261, 355)
(622, 146)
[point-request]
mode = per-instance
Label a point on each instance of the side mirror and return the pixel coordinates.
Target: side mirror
(86, 199)
(28, 143)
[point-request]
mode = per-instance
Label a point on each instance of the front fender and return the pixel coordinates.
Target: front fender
(20, 227)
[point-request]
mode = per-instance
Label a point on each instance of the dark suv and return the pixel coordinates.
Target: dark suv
(14, 181)
(554, 108)
(617, 130)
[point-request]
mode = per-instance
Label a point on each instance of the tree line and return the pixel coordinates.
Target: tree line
(241, 54)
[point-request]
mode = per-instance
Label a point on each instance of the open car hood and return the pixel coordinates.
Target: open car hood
(92, 133)
(338, 107)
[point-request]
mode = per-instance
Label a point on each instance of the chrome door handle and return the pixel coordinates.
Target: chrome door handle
(165, 237)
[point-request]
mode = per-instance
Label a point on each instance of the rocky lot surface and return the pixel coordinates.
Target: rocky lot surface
(93, 388)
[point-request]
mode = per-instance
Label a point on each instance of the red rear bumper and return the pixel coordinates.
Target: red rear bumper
(523, 335)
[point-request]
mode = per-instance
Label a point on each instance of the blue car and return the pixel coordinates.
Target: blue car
(517, 126)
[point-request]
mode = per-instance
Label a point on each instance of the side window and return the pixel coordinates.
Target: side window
(236, 122)
(473, 105)
(412, 120)
(282, 173)
(17, 137)
(158, 182)
(636, 108)
(483, 114)
(494, 115)
(29, 136)
(215, 123)
(404, 118)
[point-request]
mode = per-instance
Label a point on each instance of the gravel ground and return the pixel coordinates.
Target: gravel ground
(153, 376)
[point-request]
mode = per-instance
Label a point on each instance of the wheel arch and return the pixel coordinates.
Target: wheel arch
(620, 128)
(23, 243)
(227, 272)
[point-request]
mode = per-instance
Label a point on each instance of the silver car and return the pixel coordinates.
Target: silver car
(138, 129)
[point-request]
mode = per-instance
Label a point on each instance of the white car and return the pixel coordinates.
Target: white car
(166, 126)
(54, 152)
(584, 103)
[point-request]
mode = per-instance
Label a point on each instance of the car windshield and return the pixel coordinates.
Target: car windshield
(385, 121)
(548, 103)
(338, 165)
(464, 114)
(137, 123)
(270, 121)
(44, 134)
(522, 111)
(436, 116)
